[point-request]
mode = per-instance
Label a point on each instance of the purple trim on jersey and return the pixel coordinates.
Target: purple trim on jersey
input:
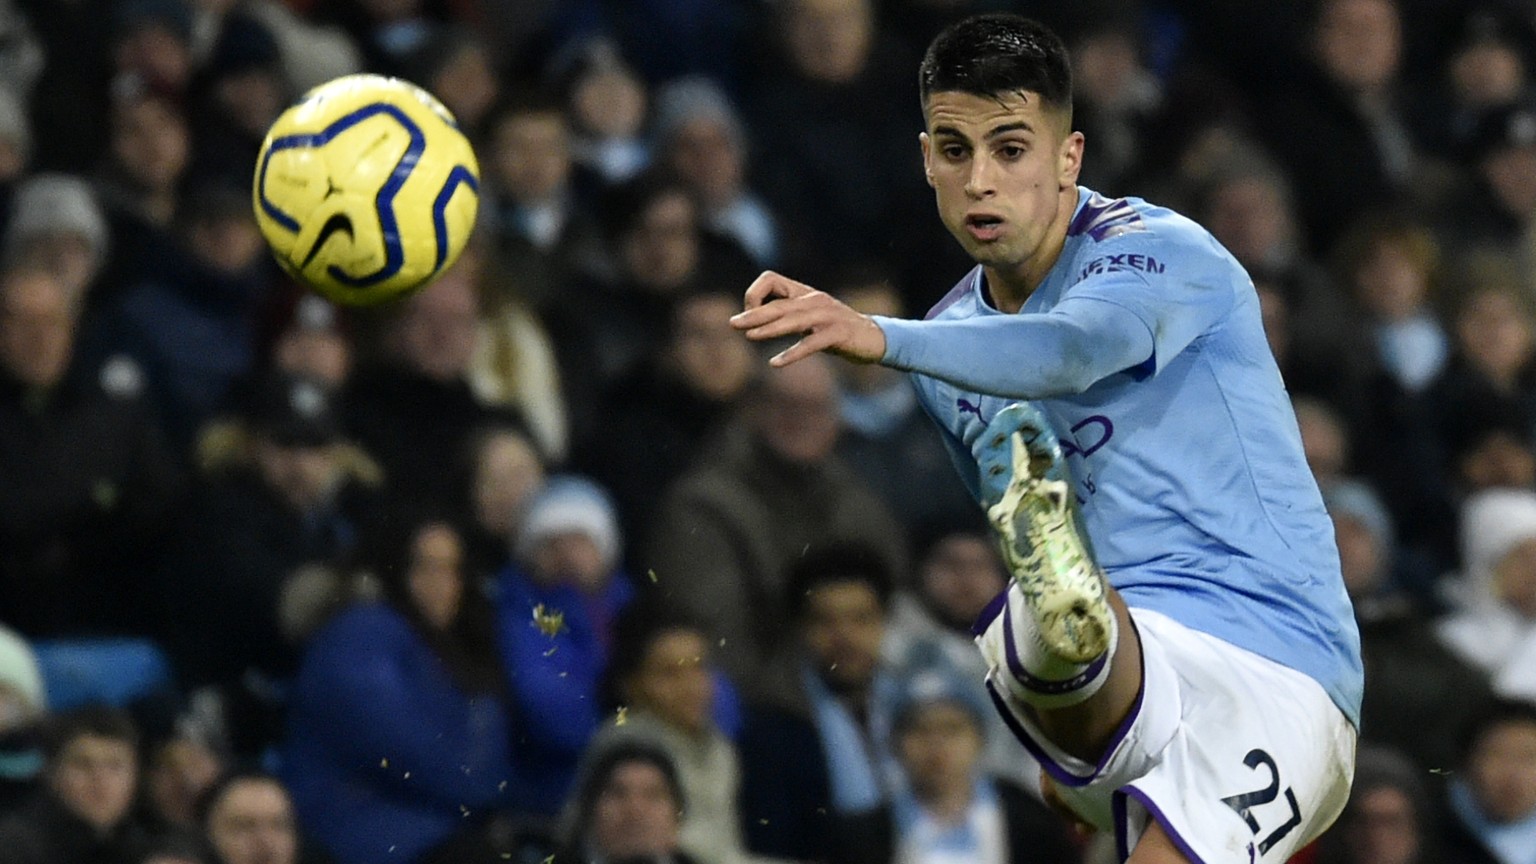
(1059, 773)
(954, 296)
(1157, 814)
(993, 609)
(1121, 816)
(1100, 218)
(1044, 686)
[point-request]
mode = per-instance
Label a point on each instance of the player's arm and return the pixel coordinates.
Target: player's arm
(1024, 356)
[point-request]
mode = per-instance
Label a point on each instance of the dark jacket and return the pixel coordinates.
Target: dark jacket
(44, 832)
(86, 493)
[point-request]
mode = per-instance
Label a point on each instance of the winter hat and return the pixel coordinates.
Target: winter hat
(13, 121)
(1493, 523)
(56, 204)
(695, 98)
(571, 504)
(934, 685)
(1360, 502)
(19, 670)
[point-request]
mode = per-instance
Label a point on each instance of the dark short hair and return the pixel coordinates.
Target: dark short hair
(606, 762)
(635, 632)
(838, 564)
(1495, 714)
(995, 54)
(93, 721)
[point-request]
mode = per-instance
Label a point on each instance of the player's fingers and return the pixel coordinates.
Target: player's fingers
(812, 343)
(792, 320)
(769, 285)
(759, 316)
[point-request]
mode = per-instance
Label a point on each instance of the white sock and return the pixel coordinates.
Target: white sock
(1010, 641)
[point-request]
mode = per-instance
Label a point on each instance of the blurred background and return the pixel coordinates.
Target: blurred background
(543, 564)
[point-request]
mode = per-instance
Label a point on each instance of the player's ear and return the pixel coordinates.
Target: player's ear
(927, 145)
(1069, 159)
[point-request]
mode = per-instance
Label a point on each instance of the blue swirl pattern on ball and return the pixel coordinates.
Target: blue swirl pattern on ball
(394, 254)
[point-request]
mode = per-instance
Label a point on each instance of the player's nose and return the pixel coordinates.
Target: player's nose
(981, 181)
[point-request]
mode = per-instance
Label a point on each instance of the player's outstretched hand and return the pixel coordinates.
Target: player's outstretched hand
(823, 322)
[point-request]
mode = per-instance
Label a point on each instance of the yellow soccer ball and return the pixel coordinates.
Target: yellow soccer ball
(366, 189)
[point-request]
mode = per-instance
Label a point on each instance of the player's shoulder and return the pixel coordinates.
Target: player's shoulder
(1147, 235)
(959, 301)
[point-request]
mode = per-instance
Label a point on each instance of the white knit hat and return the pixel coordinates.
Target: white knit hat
(57, 204)
(1493, 523)
(571, 504)
(19, 671)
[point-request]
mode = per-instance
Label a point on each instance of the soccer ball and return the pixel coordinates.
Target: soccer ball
(366, 189)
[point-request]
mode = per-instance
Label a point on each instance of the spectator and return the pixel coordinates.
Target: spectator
(56, 225)
(545, 234)
(1493, 796)
(248, 818)
(1418, 693)
(283, 489)
(958, 572)
(152, 42)
(1247, 203)
(1118, 97)
(1494, 329)
(1493, 212)
(836, 719)
(830, 82)
(239, 91)
(23, 709)
(505, 476)
(514, 365)
(86, 487)
(629, 806)
(662, 254)
(567, 578)
(728, 530)
(190, 325)
(1494, 623)
(313, 342)
(1487, 66)
(662, 677)
(399, 722)
(141, 183)
(670, 409)
(179, 770)
(1339, 122)
(177, 848)
(606, 104)
(1389, 818)
(414, 408)
(456, 66)
(887, 439)
(1324, 439)
(702, 142)
(948, 805)
(85, 811)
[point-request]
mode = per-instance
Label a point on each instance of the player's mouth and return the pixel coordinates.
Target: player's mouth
(985, 227)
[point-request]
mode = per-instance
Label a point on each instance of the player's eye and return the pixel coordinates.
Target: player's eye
(953, 152)
(1010, 152)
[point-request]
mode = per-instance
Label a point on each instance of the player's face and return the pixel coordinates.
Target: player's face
(1003, 170)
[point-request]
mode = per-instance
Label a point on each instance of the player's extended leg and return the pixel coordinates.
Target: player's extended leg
(1062, 642)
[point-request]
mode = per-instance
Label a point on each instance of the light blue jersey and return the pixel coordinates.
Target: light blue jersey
(1144, 348)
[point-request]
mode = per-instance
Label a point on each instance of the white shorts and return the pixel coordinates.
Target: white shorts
(1240, 759)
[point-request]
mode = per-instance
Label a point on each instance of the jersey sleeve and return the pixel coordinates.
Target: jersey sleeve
(1179, 287)
(1131, 310)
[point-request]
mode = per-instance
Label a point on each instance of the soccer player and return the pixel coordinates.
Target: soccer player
(1193, 681)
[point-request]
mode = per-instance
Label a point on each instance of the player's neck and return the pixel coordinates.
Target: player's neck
(1011, 286)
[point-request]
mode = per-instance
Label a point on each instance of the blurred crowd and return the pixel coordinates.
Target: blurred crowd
(543, 564)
